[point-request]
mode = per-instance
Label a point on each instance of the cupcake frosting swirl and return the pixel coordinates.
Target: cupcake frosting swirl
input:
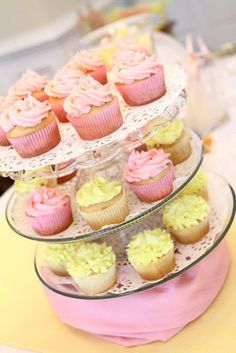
(96, 191)
(186, 211)
(29, 82)
(144, 165)
(63, 82)
(85, 60)
(28, 112)
(167, 135)
(44, 201)
(91, 259)
(148, 246)
(5, 106)
(85, 95)
(134, 66)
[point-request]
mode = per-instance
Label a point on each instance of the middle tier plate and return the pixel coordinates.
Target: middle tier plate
(80, 230)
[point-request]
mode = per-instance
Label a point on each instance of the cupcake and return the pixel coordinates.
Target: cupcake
(197, 186)
(187, 218)
(92, 109)
(32, 128)
(173, 139)
(93, 268)
(60, 87)
(5, 105)
(67, 177)
(90, 63)
(151, 253)
(48, 210)
(140, 80)
(30, 83)
(101, 202)
(150, 174)
(58, 255)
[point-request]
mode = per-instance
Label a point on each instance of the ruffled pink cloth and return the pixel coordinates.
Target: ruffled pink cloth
(156, 314)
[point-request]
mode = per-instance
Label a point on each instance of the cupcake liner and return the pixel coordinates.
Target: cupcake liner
(192, 234)
(3, 139)
(157, 269)
(179, 150)
(41, 96)
(113, 214)
(99, 74)
(65, 178)
(57, 105)
(104, 121)
(37, 142)
(144, 91)
(156, 189)
(54, 222)
(97, 283)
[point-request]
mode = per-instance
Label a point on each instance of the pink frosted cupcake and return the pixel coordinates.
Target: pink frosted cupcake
(92, 109)
(5, 105)
(150, 174)
(90, 63)
(60, 87)
(48, 210)
(30, 83)
(31, 127)
(139, 78)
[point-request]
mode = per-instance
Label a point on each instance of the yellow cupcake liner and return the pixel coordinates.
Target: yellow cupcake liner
(192, 234)
(97, 283)
(157, 269)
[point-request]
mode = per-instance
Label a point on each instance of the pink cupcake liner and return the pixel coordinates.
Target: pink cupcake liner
(156, 190)
(38, 142)
(52, 223)
(144, 91)
(65, 178)
(106, 120)
(58, 110)
(3, 140)
(99, 74)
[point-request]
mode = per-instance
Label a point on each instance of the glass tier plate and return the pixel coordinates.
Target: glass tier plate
(80, 230)
(128, 280)
(72, 148)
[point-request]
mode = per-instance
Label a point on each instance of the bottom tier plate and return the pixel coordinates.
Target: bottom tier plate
(222, 203)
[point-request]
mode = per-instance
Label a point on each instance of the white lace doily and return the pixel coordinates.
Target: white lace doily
(221, 217)
(71, 146)
(137, 209)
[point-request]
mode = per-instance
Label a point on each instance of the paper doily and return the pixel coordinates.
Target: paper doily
(72, 147)
(137, 209)
(129, 281)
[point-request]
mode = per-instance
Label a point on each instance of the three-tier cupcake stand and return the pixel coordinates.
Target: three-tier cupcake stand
(134, 311)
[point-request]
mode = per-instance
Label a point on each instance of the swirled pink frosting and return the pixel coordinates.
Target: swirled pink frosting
(87, 94)
(63, 82)
(6, 104)
(144, 165)
(85, 60)
(29, 82)
(127, 50)
(45, 201)
(28, 112)
(134, 66)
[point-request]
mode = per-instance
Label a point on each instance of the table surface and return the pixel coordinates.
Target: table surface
(27, 322)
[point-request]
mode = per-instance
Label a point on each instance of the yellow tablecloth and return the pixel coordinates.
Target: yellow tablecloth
(27, 321)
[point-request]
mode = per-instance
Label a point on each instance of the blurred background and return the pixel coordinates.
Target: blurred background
(43, 34)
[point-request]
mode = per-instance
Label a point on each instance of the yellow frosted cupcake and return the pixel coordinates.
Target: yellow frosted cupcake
(93, 268)
(187, 218)
(173, 139)
(102, 202)
(57, 256)
(197, 186)
(151, 253)
(27, 186)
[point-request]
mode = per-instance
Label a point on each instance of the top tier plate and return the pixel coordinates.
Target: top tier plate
(72, 147)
